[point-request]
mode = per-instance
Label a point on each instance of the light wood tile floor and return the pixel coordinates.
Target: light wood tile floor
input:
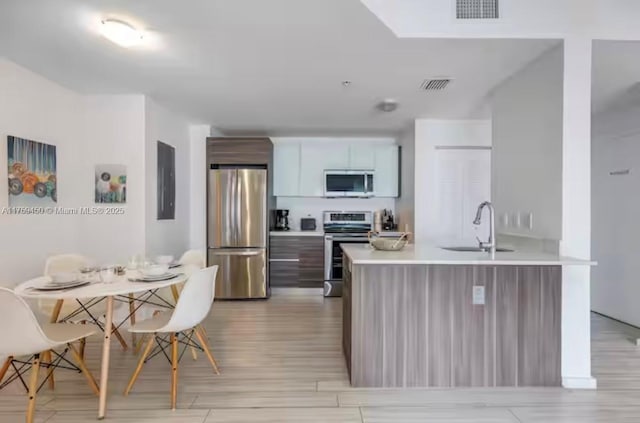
(281, 361)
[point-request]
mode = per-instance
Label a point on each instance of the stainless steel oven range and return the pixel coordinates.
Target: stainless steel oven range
(341, 227)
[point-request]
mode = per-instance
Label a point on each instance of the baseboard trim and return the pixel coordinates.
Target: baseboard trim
(296, 291)
(579, 383)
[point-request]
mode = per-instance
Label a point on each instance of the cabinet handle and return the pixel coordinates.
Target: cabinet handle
(285, 260)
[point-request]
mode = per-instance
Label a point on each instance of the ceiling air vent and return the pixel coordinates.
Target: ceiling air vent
(477, 9)
(435, 84)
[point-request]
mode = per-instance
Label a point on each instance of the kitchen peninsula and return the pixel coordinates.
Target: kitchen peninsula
(429, 317)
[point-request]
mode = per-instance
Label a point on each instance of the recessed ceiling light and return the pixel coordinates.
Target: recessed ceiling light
(121, 33)
(346, 83)
(387, 105)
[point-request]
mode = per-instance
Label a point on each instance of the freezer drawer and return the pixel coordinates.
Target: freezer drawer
(242, 272)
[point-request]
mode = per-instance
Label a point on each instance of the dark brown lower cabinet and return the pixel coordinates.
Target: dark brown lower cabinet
(284, 274)
(296, 261)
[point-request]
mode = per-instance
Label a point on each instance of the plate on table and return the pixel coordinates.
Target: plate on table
(60, 286)
(158, 278)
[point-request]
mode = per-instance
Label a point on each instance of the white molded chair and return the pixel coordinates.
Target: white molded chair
(193, 258)
(72, 263)
(192, 308)
(61, 263)
(22, 335)
(64, 263)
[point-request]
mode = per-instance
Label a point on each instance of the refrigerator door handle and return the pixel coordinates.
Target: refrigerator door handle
(237, 209)
(237, 253)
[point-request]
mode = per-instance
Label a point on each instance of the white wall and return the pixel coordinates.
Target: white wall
(430, 134)
(167, 236)
(313, 207)
(113, 134)
(615, 210)
(198, 163)
(405, 204)
(88, 130)
(527, 148)
(34, 108)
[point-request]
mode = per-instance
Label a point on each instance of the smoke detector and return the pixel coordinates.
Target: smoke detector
(387, 105)
(435, 84)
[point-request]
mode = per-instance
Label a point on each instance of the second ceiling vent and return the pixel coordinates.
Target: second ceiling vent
(435, 84)
(477, 9)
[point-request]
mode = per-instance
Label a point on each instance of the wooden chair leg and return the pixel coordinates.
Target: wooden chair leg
(203, 331)
(138, 346)
(174, 370)
(207, 351)
(118, 335)
(132, 319)
(83, 342)
(87, 374)
(140, 343)
(176, 295)
(143, 357)
(33, 387)
(46, 356)
(5, 367)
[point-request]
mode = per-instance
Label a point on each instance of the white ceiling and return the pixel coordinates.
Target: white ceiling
(616, 74)
(260, 66)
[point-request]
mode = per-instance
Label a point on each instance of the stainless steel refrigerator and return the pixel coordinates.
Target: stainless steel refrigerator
(237, 220)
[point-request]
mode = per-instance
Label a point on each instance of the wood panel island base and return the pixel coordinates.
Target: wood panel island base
(427, 318)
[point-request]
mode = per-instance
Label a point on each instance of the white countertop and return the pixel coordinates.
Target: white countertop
(296, 233)
(431, 254)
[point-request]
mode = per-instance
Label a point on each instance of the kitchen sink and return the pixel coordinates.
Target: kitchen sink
(476, 249)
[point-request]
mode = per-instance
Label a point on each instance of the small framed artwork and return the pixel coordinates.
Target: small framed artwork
(32, 173)
(111, 184)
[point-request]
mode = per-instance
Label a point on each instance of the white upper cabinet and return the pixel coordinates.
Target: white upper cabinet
(315, 158)
(361, 156)
(385, 178)
(286, 164)
(299, 164)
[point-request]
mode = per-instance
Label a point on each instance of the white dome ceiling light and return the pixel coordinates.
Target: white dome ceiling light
(121, 33)
(387, 105)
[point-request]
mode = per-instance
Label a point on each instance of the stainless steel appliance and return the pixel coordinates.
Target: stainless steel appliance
(281, 218)
(348, 183)
(341, 228)
(307, 224)
(237, 221)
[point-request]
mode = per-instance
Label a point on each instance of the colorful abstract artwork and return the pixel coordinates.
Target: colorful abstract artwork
(32, 173)
(111, 184)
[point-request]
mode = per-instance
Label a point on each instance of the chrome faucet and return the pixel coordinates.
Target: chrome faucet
(490, 245)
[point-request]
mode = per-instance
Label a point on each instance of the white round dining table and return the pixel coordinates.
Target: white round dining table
(121, 285)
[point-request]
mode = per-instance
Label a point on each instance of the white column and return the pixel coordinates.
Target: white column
(576, 214)
(198, 186)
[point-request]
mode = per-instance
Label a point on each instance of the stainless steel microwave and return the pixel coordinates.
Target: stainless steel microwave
(348, 183)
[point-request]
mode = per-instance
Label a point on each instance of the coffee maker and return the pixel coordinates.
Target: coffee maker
(281, 220)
